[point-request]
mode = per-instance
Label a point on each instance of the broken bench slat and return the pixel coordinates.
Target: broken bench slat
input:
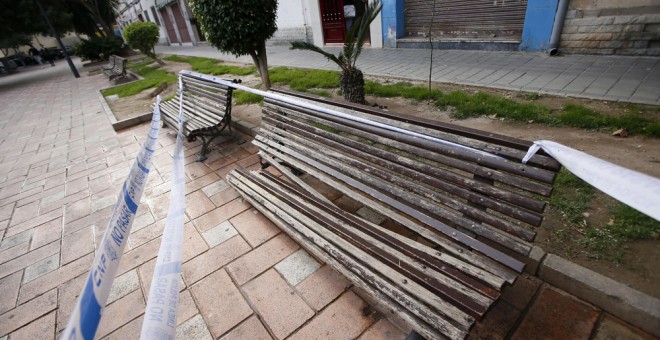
(296, 224)
(462, 192)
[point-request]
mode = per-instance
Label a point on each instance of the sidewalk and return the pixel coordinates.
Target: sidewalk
(613, 78)
(61, 167)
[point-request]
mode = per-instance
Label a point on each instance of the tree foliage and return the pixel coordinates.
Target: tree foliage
(239, 27)
(351, 80)
(99, 48)
(143, 36)
(23, 18)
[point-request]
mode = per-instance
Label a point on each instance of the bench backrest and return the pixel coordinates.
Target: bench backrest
(205, 104)
(477, 193)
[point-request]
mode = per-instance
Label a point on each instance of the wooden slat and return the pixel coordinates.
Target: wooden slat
(496, 163)
(409, 199)
(397, 289)
(455, 184)
(511, 148)
(421, 151)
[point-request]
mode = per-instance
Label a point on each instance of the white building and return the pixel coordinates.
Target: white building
(319, 21)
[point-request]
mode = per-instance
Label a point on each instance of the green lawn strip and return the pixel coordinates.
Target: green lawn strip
(153, 77)
(211, 66)
(243, 97)
(479, 104)
(304, 79)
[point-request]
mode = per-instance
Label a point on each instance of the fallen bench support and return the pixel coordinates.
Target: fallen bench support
(463, 203)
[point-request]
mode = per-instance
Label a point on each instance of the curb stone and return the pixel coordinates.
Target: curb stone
(616, 298)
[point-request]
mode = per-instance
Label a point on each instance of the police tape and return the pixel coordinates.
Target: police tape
(86, 316)
(637, 190)
(160, 314)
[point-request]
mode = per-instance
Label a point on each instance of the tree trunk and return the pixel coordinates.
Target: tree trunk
(261, 62)
(351, 83)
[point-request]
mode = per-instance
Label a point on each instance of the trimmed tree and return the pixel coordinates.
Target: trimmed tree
(143, 36)
(239, 27)
(351, 81)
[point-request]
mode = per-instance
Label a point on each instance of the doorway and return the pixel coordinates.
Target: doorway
(337, 16)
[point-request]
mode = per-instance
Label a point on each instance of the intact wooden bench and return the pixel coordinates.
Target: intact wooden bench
(116, 68)
(206, 109)
(465, 201)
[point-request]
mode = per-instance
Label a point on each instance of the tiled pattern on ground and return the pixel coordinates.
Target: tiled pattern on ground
(61, 168)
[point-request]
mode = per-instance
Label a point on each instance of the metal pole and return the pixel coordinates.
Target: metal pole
(59, 41)
(556, 27)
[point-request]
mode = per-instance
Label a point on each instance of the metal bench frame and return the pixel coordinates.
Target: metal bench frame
(118, 69)
(474, 210)
(207, 110)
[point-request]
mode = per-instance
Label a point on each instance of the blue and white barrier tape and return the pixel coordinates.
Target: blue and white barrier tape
(637, 190)
(86, 316)
(160, 315)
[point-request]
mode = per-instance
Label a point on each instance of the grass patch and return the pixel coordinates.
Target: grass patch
(304, 79)
(153, 77)
(243, 97)
(211, 66)
(582, 117)
(401, 89)
(572, 197)
(479, 104)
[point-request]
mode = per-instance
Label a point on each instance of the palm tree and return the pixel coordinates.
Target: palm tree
(351, 81)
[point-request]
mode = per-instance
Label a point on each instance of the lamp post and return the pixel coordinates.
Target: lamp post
(59, 41)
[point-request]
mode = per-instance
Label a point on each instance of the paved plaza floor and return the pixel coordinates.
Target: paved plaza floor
(61, 168)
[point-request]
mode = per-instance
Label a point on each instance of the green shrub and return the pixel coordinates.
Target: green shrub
(99, 48)
(142, 36)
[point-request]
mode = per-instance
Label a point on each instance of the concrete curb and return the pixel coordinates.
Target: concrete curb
(122, 124)
(245, 127)
(613, 297)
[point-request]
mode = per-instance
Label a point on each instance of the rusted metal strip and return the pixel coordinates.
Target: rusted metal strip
(425, 218)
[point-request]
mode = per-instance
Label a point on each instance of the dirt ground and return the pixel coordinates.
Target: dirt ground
(639, 266)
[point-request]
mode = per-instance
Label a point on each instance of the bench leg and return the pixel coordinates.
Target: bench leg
(205, 144)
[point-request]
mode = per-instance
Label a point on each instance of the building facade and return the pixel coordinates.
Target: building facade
(630, 27)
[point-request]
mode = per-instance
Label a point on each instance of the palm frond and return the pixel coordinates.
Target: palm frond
(301, 45)
(364, 21)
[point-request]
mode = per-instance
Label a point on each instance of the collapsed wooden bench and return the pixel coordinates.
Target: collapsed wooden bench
(115, 68)
(206, 110)
(465, 203)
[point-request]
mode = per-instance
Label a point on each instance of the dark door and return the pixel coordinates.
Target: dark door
(168, 26)
(181, 24)
(332, 21)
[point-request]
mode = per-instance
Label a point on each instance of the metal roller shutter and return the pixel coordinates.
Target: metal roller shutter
(466, 18)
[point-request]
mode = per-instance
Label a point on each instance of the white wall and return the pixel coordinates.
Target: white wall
(290, 14)
(292, 22)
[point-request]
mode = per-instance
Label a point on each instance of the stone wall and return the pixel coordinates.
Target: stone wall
(589, 29)
(284, 35)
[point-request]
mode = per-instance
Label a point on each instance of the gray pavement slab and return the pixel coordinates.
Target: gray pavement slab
(625, 78)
